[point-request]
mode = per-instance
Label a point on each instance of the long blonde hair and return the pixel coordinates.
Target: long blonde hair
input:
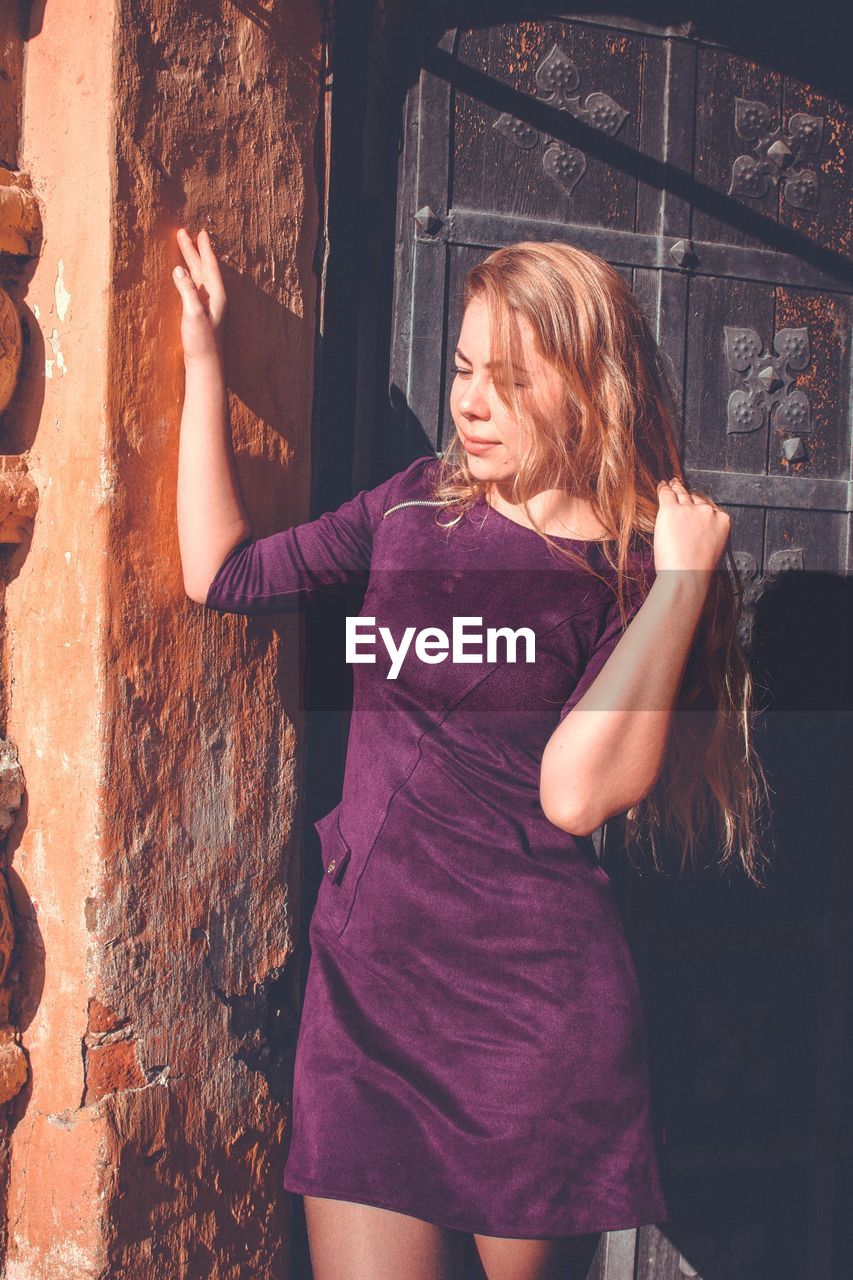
(611, 443)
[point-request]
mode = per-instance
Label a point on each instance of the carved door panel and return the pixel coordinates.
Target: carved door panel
(719, 187)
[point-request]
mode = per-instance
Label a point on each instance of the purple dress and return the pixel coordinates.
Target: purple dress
(472, 1043)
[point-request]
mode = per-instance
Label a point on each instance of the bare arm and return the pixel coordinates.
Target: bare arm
(608, 751)
(212, 517)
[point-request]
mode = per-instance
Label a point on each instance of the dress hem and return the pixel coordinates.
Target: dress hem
(299, 1187)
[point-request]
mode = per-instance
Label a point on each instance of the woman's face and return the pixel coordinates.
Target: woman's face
(478, 412)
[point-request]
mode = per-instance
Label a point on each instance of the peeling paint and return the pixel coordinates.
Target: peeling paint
(59, 358)
(108, 482)
(61, 295)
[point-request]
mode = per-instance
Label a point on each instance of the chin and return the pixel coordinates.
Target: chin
(487, 468)
(483, 469)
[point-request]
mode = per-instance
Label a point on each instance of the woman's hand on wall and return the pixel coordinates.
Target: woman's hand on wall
(203, 297)
(212, 516)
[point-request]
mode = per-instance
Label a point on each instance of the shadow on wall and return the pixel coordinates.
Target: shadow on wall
(748, 991)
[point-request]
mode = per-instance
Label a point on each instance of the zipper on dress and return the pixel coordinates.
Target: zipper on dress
(414, 502)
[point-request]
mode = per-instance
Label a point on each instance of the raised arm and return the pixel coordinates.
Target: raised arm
(607, 752)
(212, 517)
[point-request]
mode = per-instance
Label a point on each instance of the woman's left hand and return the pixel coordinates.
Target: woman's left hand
(690, 532)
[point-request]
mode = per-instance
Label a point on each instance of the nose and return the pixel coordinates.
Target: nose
(474, 402)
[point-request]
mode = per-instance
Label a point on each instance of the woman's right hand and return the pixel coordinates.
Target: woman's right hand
(203, 297)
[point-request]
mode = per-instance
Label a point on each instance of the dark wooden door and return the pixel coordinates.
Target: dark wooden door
(719, 186)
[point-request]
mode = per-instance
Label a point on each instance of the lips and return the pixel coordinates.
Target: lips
(475, 445)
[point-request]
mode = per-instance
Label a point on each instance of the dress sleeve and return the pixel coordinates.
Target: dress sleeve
(607, 630)
(286, 570)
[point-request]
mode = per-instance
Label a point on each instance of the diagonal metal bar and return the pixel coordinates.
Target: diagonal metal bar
(657, 173)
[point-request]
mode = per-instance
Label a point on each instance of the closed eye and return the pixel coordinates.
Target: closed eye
(466, 373)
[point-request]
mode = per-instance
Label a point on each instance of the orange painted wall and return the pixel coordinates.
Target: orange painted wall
(155, 868)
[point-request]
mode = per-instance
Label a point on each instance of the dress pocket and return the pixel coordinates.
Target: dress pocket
(336, 854)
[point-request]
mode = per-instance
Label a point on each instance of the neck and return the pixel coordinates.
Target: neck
(553, 510)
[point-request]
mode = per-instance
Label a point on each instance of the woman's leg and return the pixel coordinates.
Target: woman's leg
(566, 1258)
(349, 1241)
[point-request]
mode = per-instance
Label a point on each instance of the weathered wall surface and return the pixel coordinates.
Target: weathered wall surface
(55, 619)
(156, 864)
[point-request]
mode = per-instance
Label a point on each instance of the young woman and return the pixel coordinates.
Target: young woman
(471, 1055)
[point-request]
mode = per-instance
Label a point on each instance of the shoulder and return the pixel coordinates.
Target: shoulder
(639, 575)
(640, 556)
(641, 563)
(414, 481)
